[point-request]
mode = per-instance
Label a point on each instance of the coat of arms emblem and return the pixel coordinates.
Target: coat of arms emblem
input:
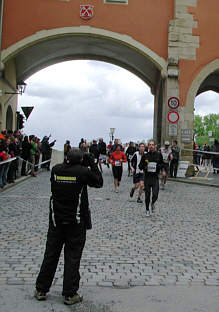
(86, 11)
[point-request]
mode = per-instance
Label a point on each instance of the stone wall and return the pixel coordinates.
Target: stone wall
(182, 43)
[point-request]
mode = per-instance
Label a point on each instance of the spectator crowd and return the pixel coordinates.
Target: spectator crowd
(15, 148)
(21, 154)
(207, 156)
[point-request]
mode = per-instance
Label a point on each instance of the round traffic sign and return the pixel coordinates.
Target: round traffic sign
(173, 117)
(173, 102)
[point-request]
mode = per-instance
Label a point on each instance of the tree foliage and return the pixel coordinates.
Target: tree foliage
(202, 126)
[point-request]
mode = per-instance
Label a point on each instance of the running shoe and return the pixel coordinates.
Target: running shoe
(132, 192)
(40, 295)
(72, 299)
(148, 213)
(139, 200)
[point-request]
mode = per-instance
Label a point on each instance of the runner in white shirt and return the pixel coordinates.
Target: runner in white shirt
(167, 157)
(138, 176)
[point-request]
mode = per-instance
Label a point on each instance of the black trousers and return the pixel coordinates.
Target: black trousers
(24, 165)
(173, 167)
(44, 158)
(129, 166)
(151, 183)
(73, 237)
(12, 171)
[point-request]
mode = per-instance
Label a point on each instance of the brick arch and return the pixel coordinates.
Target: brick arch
(199, 79)
(126, 41)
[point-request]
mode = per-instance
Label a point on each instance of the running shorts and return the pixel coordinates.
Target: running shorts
(117, 172)
(166, 168)
(137, 177)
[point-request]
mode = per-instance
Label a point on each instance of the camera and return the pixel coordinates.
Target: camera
(88, 160)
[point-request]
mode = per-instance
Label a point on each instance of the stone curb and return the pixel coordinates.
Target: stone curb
(193, 182)
(17, 181)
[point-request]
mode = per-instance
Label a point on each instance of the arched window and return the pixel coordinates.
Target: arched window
(9, 118)
(1, 116)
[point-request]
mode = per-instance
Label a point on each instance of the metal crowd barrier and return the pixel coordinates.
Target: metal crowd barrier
(20, 161)
(200, 151)
(7, 161)
(204, 169)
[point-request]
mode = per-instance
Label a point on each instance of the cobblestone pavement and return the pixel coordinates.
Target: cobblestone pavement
(178, 245)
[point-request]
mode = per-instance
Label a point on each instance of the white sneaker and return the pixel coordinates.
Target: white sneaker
(148, 213)
(116, 191)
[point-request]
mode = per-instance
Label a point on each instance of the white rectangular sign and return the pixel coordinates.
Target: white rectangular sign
(186, 135)
(172, 129)
(182, 168)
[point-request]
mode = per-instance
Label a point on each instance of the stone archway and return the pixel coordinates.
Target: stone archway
(49, 47)
(200, 83)
(53, 46)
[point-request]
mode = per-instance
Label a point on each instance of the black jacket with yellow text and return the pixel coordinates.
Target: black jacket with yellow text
(68, 184)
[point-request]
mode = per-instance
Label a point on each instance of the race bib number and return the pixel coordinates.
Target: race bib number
(165, 156)
(152, 167)
(117, 163)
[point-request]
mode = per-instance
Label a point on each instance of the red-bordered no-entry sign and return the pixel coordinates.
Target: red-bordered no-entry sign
(173, 117)
(173, 102)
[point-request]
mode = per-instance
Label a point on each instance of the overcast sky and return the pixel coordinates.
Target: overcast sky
(84, 99)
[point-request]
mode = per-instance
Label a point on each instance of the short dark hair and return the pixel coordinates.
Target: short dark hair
(74, 156)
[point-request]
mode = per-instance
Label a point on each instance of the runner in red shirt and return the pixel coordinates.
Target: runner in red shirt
(116, 159)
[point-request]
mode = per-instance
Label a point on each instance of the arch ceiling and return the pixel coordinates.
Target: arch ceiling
(211, 83)
(43, 53)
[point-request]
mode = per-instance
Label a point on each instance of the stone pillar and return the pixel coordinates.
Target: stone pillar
(181, 45)
(159, 101)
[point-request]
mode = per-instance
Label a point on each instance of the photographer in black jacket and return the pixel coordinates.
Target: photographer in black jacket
(151, 163)
(68, 221)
